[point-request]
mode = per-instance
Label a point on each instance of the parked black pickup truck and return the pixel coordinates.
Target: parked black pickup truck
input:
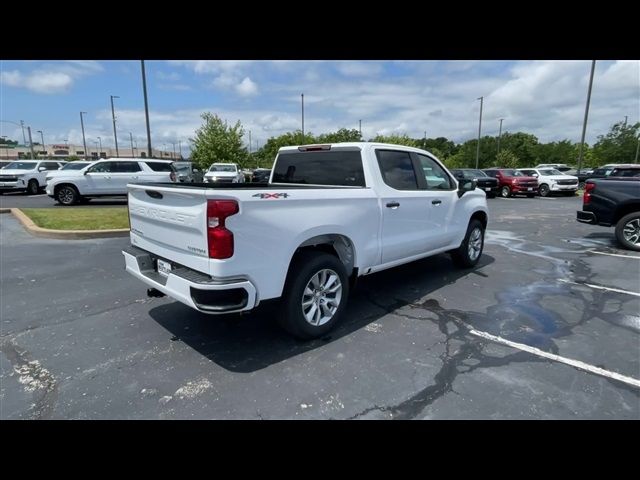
(487, 184)
(614, 202)
(612, 170)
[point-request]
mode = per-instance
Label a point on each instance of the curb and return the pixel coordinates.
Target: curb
(37, 231)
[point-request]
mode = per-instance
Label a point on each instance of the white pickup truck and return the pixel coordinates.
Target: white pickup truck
(329, 214)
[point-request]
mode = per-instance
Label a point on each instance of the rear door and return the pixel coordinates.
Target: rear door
(125, 173)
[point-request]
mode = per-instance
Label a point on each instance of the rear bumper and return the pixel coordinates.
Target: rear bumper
(196, 290)
(586, 217)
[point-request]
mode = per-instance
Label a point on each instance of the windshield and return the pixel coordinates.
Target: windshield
(550, 171)
(21, 165)
(75, 166)
(474, 174)
(513, 173)
(222, 168)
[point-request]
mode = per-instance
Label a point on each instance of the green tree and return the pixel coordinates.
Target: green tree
(8, 142)
(617, 146)
(73, 158)
(523, 145)
(554, 152)
(508, 159)
(267, 153)
(342, 135)
(215, 141)
(397, 140)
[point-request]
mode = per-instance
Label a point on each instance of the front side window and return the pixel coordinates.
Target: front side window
(50, 165)
(532, 172)
(103, 167)
(75, 166)
(434, 174)
(397, 169)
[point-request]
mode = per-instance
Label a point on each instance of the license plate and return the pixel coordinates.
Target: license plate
(488, 189)
(530, 188)
(164, 268)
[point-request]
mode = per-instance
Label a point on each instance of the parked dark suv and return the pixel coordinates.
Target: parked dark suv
(484, 182)
(261, 175)
(511, 182)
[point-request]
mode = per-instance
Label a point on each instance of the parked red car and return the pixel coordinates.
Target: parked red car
(512, 182)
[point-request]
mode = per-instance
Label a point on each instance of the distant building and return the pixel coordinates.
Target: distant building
(64, 151)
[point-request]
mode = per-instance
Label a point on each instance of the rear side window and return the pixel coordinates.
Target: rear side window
(127, 167)
(625, 172)
(160, 166)
(397, 169)
(342, 168)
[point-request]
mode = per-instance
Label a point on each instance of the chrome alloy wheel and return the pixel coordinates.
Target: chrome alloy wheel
(475, 244)
(631, 231)
(321, 297)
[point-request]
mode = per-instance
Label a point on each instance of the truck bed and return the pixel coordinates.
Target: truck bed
(244, 186)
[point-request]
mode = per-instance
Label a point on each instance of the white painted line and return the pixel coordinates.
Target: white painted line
(548, 198)
(569, 361)
(614, 254)
(600, 287)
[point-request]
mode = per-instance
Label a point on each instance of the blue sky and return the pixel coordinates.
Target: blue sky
(546, 98)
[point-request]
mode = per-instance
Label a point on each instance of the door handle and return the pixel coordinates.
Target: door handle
(436, 202)
(393, 205)
(134, 178)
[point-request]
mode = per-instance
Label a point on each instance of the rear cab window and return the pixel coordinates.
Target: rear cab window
(330, 167)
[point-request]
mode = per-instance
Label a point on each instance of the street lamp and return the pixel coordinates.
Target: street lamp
(100, 151)
(113, 116)
(146, 108)
(42, 137)
(302, 97)
(586, 115)
(479, 131)
(84, 142)
(174, 150)
(131, 139)
(500, 135)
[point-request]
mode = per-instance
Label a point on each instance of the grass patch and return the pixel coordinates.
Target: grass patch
(79, 218)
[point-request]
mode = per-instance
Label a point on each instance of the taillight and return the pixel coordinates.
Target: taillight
(172, 176)
(219, 238)
(588, 188)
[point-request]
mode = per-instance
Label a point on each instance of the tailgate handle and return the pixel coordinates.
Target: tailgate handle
(154, 194)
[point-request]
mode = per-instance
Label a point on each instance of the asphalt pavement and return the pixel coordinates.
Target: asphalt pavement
(79, 338)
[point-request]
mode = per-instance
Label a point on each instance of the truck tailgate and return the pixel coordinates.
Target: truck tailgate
(170, 223)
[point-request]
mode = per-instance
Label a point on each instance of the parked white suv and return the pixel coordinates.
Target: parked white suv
(552, 180)
(108, 177)
(224, 173)
(26, 175)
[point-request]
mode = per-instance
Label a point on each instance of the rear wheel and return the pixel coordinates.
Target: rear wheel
(628, 231)
(505, 192)
(314, 296)
(32, 187)
(67, 195)
(470, 250)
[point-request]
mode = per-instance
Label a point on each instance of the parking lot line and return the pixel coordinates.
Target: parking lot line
(614, 254)
(600, 287)
(558, 358)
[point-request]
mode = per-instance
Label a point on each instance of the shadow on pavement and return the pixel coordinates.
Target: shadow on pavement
(253, 341)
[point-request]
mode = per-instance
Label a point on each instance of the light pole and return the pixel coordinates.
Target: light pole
(113, 116)
(249, 142)
(625, 120)
(97, 153)
(30, 143)
(180, 148)
(586, 115)
(42, 137)
(360, 128)
(100, 151)
(500, 135)
(302, 97)
(637, 148)
(131, 139)
(174, 150)
(84, 142)
(21, 124)
(146, 108)
(24, 140)
(479, 131)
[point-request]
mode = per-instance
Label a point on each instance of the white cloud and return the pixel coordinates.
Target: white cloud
(50, 78)
(247, 87)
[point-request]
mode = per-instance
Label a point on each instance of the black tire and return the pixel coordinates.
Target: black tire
(531, 195)
(67, 195)
(461, 256)
(544, 190)
(505, 192)
(304, 267)
(630, 223)
(32, 187)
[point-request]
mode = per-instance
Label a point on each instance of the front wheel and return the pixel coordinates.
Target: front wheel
(544, 190)
(67, 195)
(32, 187)
(505, 192)
(470, 250)
(314, 296)
(628, 231)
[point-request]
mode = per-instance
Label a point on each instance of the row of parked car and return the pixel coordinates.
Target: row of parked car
(73, 182)
(541, 180)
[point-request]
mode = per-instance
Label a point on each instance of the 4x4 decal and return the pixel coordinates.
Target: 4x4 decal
(264, 196)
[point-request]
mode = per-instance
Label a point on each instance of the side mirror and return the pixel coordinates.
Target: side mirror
(86, 171)
(42, 169)
(535, 175)
(466, 186)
